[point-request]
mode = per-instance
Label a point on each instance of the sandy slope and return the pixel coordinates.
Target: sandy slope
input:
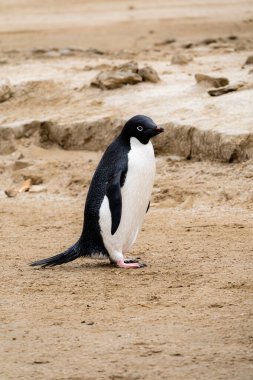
(188, 314)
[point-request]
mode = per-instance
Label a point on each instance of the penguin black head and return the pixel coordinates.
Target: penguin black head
(142, 128)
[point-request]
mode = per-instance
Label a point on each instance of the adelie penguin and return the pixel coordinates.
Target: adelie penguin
(118, 197)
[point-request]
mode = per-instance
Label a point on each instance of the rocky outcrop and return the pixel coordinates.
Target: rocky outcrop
(182, 140)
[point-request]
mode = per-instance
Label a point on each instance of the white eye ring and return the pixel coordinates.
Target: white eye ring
(140, 128)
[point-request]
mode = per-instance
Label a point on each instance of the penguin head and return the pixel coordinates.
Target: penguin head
(141, 127)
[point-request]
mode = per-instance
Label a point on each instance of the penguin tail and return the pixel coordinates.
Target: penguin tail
(70, 254)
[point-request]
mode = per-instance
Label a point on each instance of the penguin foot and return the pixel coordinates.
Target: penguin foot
(129, 264)
(130, 261)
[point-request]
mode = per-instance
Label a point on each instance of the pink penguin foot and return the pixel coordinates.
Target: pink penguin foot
(129, 264)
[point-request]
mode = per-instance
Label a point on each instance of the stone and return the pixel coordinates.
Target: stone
(233, 87)
(208, 41)
(208, 80)
(37, 189)
(168, 41)
(13, 192)
(115, 79)
(249, 60)
(149, 74)
(127, 73)
(181, 59)
(19, 164)
(5, 90)
(127, 66)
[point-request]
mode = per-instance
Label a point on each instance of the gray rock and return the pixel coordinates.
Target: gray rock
(128, 66)
(20, 164)
(115, 79)
(149, 74)
(127, 73)
(215, 82)
(5, 90)
(249, 60)
(181, 59)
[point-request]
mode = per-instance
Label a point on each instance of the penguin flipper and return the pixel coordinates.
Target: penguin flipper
(115, 201)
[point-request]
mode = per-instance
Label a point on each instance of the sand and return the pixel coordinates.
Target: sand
(188, 314)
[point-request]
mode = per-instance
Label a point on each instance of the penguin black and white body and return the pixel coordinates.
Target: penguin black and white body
(118, 197)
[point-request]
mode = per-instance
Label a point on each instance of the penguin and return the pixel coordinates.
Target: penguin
(118, 198)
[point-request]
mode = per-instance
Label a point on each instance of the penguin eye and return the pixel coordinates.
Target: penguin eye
(139, 128)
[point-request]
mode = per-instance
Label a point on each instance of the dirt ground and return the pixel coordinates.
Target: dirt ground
(188, 314)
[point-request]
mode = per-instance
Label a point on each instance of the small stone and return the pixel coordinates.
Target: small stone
(115, 79)
(11, 193)
(187, 45)
(38, 51)
(128, 66)
(249, 60)
(20, 165)
(95, 51)
(149, 74)
(37, 189)
(165, 42)
(211, 81)
(181, 59)
(233, 87)
(209, 41)
(5, 90)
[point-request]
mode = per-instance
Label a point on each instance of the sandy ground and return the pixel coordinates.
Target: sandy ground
(188, 314)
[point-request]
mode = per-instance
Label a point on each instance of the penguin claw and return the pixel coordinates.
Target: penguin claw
(129, 264)
(130, 261)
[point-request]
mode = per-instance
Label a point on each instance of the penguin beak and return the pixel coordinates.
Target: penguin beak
(159, 130)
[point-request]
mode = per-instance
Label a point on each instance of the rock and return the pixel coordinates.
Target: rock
(232, 38)
(188, 45)
(165, 42)
(5, 90)
(181, 59)
(35, 179)
(234, 87)
(95, 51)
(11, 193)
(127, 73)
(26, 185)
(20, 164)
(149, 74)
(118, 76)
(37, 189)
(211, 81)
(115, 79)
(38, 51)
(128, 66)
(249, 60)
(208, 41)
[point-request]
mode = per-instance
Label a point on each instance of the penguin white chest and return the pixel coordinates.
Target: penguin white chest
(136, 193)
(139, 181)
